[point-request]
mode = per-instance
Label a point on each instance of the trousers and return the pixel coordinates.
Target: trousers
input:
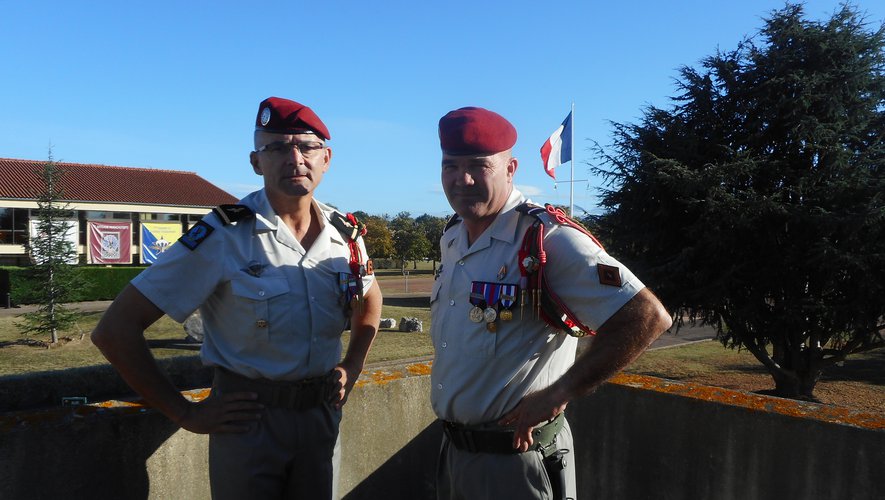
(464, 475)
(288, 453)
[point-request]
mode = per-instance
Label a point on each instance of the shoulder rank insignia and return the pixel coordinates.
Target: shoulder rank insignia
(196, 235)
(232, 213)
(452, 221)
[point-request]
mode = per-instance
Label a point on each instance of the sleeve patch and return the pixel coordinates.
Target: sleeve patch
(196, 235)
(609, 275)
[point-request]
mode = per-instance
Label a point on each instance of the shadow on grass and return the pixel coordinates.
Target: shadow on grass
(182, 344)
(869, 369)
(745, 368)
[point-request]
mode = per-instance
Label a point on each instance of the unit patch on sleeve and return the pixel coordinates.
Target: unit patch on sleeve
(609, 275)
(196, 235)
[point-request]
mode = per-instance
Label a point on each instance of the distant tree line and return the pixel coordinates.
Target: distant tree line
(402, 237)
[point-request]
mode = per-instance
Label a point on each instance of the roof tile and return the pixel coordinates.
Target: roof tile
(20, 179)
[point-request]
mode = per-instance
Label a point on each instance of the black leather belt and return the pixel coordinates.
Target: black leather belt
(482, 440)
(297, 395)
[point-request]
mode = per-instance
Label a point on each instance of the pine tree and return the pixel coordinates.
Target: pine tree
(757, 203)
(55, 280)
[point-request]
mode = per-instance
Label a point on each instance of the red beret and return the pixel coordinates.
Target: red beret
(475, 131)
(282, 116)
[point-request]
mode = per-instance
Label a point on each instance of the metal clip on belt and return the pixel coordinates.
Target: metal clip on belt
(477, 440)
(297, 395)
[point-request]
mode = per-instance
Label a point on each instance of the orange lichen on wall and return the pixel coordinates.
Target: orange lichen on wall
(419, 369)
(382, 377)
(27, 418)
(789, 407)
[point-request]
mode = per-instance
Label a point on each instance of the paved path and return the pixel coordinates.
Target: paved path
(687, 334)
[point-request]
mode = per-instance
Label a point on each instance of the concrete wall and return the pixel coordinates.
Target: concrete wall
(636, 438)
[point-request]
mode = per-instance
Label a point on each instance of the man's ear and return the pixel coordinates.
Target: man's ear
(253, 159)
(512, 165)
(327, 153)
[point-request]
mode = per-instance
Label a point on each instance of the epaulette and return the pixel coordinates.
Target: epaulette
(229, 214)
(533, 258)
(452, 221)
(529, 208)
(348, 225)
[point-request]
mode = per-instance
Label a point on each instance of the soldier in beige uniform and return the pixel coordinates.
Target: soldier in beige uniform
(502, 376)
(276, 278)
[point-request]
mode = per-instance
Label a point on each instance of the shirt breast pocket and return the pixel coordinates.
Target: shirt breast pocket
(262, 297)
(453, 332)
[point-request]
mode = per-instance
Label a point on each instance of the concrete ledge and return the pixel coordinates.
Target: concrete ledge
(96, 383)
(644, 437)
(770, 404)
(637, 437)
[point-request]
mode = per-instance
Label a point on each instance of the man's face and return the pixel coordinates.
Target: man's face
(287, 170)
(477, 187)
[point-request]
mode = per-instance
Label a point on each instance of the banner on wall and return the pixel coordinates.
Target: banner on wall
(71, 234)
(109, 242)
(156, 238)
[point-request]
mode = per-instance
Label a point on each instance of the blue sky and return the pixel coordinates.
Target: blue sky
(176, 85)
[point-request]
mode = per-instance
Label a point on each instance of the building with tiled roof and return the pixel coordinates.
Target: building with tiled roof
(101, 193)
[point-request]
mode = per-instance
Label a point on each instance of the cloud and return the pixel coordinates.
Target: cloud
(530, 190)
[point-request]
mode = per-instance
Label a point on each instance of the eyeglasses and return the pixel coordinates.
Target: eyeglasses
(307, 149)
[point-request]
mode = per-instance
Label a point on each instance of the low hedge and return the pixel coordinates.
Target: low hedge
(104, 283)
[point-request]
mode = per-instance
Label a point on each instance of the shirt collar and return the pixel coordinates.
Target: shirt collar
(503, 228)
(266, 219)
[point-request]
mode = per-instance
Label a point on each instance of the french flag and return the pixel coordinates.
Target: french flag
(558, 148)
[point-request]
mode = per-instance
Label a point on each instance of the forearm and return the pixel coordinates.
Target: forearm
(622, 339)
(120, 338)
(363, 328)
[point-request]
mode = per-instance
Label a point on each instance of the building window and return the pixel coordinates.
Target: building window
(160, 217)
(13, 226)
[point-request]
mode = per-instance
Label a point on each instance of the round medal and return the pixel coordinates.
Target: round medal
(490, 314)
(475, 314)
(506, 315)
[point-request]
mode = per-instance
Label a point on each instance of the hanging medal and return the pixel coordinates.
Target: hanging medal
(491, 291)
(508, 299)
(347, 287)
(478, 300)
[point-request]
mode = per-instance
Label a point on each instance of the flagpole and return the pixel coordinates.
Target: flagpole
(571, 198)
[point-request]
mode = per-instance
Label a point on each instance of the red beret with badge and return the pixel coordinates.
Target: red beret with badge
(475, 131)
(283, 116)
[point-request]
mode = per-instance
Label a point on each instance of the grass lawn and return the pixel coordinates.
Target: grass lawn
(19, 355)
(860, 383)
(691, 360)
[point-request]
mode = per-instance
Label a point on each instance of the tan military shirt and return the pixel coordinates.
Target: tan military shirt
(479, 375)
(270, 308)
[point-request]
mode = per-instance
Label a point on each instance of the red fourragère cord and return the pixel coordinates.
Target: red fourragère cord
(531, 271)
